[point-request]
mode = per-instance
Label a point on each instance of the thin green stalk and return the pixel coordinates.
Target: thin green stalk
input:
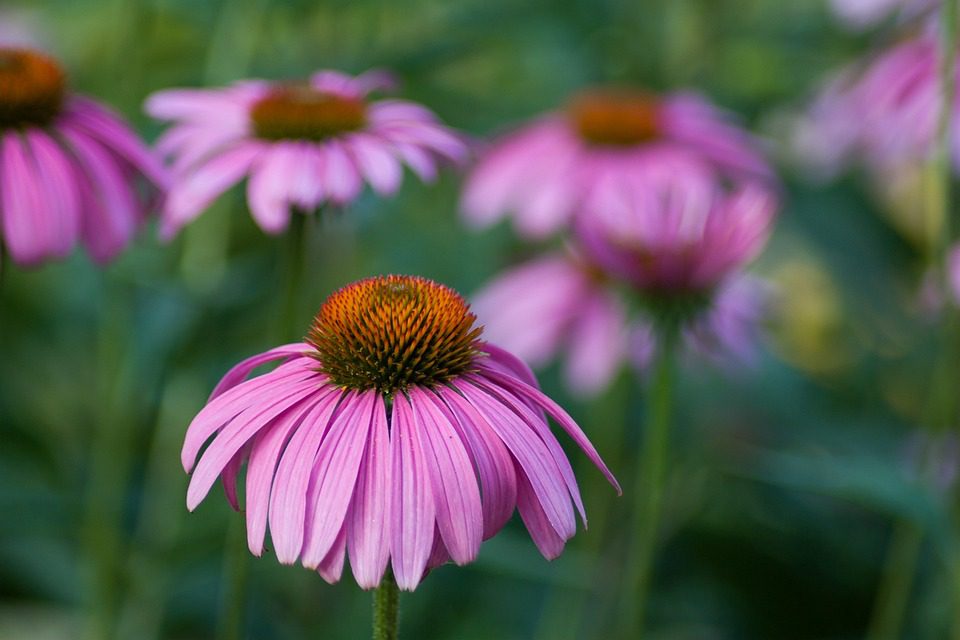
(649, 487)
(896, 582)
(941, 412)
(386, 609)
(294, 265)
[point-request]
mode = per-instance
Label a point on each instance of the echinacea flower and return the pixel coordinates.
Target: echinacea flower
(301, 145)
(676, 236)
(550, 170)
(393, 434)
(70, 170)
(560, 303)
(882, 115)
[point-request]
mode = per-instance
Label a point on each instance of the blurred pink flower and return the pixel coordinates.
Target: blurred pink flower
(393, 434)
(70, 170)
(674, 233)
(554, 303)
(561, 303)
(882, 114)
(301, 145)
(547, 172)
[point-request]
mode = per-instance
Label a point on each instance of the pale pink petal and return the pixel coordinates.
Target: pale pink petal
(493, 463)
(368, 538)
(412, 509)
(268, 189)
(598, 342)
(331, 567)
(57, 180)
(454, 485)
(31, 233)
(341, 175)
(288, 500)
(335, 475)
(376, 163)
(239, 372)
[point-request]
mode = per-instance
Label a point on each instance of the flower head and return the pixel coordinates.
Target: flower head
(674, 236)
(392, 435)
(551, 170)
(70, 170)
(301, 144)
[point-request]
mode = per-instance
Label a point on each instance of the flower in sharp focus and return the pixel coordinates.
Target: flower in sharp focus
(546, 173)
(393, 434)
(70, 170)
(301, 145)
(675, 236)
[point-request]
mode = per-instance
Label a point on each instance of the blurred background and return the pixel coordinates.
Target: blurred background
(788, 481)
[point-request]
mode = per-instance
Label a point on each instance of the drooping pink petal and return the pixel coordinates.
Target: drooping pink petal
(598, 342)
(537, 397)
(265, 453)
(331, 567)
(453, 483)
(527, 448)
(342, 177)
(57, 180)
(29, 231)
(544, 535)
(239, 372)
(268, 189)
(493, 463)
(288, 499)
(231, 403)
(368, 536)
(412, 510)
(335, 475)
(188, 198)
(237, 433)
(377, 164)
(557, 413)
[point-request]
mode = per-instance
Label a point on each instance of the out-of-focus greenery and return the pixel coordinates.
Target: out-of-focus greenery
(786, 479)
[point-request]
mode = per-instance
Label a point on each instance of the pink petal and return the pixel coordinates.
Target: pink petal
(598, 342)
(29, 230)
(262, 467)
(58, 187)
(494, 466)
(377, 164)
(331, 568)
(238, 373)
(335, 475)
(454, 485)
(369, 534)
(412, 510)
(268, 190)
(237, 433)
(543, 533)
(530, 452)
(557, 413)
(341, 176)
(288, 501)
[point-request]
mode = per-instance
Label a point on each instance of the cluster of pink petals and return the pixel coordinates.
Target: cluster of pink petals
(213, 148)
(882, 115)
(557, 303)
(85, 177)
(545, 174)
(675, 231)
(337, 473)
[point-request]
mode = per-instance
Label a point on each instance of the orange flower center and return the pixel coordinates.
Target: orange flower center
(615, 118)
(299, 112)
(390, 332)
(32, 88)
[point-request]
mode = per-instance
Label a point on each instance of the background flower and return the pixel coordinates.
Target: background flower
(302, 145)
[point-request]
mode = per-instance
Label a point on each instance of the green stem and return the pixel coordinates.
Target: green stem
(293, 265)
(235, 569)
(386, 609)
(896, 582)
(649, 486)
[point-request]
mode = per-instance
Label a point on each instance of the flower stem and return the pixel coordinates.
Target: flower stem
(293, 265)
(896, 581)
(386, 609)
(649, 486)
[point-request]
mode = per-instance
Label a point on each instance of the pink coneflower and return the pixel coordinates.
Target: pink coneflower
(550, 170)
(70, 170)
(301, 145)
(561, 303)
(676, 236)
(392, 435)
(882, 115)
